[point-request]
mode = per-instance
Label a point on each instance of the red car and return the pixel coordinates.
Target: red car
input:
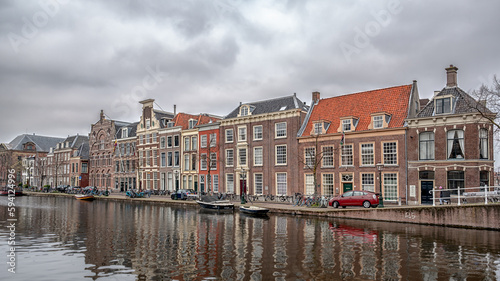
(363, 198)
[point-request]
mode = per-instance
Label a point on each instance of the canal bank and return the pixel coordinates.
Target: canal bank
(477, 216)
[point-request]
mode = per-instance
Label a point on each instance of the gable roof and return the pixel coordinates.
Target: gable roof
(42, 143)
(393, 101)
(76, 141)
(271, 105)
(182, 119)
(461, 104)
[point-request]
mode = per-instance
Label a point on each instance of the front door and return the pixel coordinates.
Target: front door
(347, 186)
(426, 192)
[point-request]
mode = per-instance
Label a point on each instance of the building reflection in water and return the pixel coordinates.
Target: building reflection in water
(152, 241)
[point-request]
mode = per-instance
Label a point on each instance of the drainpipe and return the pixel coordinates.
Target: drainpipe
(406, 163)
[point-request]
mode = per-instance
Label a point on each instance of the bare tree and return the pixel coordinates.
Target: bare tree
(487, 103)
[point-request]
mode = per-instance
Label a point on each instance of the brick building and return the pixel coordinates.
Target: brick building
(124, 157)
(210, 159)
(79, 165)
(450, 145)
(63, 166)
(357, 142)
(148, 145)
(32, 149)
(258, 144)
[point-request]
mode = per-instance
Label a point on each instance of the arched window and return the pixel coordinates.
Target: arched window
(426, 145)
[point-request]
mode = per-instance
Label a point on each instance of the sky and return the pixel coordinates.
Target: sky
(61, 62)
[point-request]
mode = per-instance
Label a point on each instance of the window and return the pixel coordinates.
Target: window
(244, 110)
(124, 133)
(213, 140)
(257, 133)
(346, 158)
(483, 144)
(162, 142)
(318, 128)
(346, 125)
(257, 156)
(176, 141)
(309, 184)
(258, 183)
(213, 161)
(154, 138)
(328, 184)
(455, 181)
(229, 135)
(187, 143)
(203, 161)
(280, 130)
(391, 186)
(367, 158)
(193, 162)
(148, 155)
(378, 122)
(169, 141)
(194, 143)
(368, 182)
(230, 183)
(192, 123)
(310, 157)
(203, 141)
(229, 158)
(216, 183)
(483, 178)
(84, 168)
(163, 159)
(327, 156)
(242, 156)
(186, 162)
(281, 187)
(455, 144)
(169, 159)
(426, 146)
(170, 124)
(390, 153)
(443, 105)
(242, 133)
(281, 155)
(148, 123)
(176, 159)
(141, 139)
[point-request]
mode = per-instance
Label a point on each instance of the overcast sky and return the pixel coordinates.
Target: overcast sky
(61, 62)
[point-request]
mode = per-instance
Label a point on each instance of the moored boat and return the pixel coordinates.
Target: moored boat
(87, 197)
(254, 210)
(216, 205)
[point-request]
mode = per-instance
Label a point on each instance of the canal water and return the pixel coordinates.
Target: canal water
(59, 238)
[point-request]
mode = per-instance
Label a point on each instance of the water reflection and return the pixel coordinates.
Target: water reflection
(63, 239)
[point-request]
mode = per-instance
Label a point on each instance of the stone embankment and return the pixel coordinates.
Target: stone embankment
(478, 216)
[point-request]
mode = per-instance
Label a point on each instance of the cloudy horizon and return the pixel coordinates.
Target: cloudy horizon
(64, 61)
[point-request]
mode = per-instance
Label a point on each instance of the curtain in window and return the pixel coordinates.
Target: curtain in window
(483, 144)
(455, 144)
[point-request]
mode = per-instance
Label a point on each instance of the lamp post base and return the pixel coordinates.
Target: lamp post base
(243, 201)
(381, 202)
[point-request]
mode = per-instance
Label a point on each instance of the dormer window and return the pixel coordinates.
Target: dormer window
(170, 124)
(443, 105)
(378, 122)
(125, 133)
(192, 123)
(346, 125)
(320, 127)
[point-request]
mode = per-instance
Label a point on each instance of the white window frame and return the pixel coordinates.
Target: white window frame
(281, 186)
(229, 163)
(366, 154)
(256, 134)
(346, 125)
(203, 162)
(242, 159)
(277, 157)
(256, 156)
(378, 121)
(328, 156)
(347, 156)
(368, 181)
(309, 184)
(203, 141)
(328, 183)
(258, 183)
(280, 132)
(230, 183)
(229, 135)
(389, 153)
(242, 134)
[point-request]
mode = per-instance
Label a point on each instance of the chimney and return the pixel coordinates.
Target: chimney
(315, 97)
(175, 110)
(451, 76)
(102, 114)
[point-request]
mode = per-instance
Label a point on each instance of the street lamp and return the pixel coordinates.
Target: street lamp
(380, 166)
(243, 185)
(176, 172)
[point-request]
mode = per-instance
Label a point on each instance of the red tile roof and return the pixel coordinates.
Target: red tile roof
(393, 101)
(182, 119)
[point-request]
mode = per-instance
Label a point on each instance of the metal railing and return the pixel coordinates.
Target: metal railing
(461, 196)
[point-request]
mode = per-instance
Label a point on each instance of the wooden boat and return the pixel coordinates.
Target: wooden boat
(216, 205)
(254, 210)
(87, 197)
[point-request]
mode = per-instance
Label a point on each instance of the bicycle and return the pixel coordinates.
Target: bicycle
(269, 197)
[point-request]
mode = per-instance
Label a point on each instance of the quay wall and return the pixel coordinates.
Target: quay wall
(478, 216)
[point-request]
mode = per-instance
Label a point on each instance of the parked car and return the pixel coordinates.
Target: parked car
(62, 188)
(184, 194)
(363, 198)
